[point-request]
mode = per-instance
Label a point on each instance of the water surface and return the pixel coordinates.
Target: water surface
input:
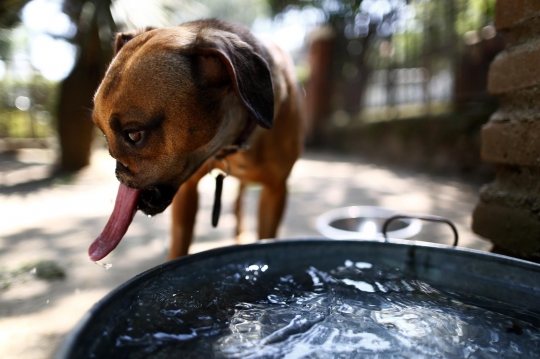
(355, 310)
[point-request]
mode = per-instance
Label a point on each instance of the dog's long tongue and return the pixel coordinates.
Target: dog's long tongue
(124, 210)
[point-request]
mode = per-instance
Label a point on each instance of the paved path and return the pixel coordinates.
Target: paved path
(57, 218)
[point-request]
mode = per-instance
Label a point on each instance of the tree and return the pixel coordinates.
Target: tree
(94, 36)
(357, 25)
(95, 28)
(94, 39)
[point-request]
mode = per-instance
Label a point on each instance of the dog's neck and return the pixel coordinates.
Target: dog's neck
(241, 142)
(242, 139)
(236, 129)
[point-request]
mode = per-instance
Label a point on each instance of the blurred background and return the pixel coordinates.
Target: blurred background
(402, 81)
(395, 96)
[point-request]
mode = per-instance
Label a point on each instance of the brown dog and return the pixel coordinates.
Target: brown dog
(174, 98)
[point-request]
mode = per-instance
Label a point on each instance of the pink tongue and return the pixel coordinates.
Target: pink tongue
(124, 210)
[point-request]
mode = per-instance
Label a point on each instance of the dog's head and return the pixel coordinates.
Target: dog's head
(172, 98)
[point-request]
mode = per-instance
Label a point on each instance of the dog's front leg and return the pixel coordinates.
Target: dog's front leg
(271, 208)
(184, 211)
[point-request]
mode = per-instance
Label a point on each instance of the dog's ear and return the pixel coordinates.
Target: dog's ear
(223, 56)
(123, 38)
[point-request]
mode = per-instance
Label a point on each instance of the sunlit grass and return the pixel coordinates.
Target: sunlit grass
(23, 124)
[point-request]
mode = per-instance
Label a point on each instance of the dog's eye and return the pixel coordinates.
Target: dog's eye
(135, 136)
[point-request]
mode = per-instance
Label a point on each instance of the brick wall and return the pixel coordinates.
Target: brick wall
(508, 212)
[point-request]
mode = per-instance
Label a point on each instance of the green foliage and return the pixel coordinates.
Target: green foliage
(5, 44)
(19, 124)
(9, 12)
(38, 121)
(433, 28)
(474, 14)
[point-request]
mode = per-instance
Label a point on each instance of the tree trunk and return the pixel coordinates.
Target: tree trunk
(75, 127)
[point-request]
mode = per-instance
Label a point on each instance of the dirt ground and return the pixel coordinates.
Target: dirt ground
(50, 221)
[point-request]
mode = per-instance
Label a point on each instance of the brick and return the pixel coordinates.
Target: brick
(515, 187)
(516, 143)
(511, 12)
(513, 229)
(522, 105)
(515, 69)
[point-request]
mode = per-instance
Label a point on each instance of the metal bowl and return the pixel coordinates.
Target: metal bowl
(466, 271)
(365, 222)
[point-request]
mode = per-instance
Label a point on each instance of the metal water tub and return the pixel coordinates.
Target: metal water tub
(454, 269)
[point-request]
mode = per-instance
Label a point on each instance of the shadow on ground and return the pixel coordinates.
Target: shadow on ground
(56, 218)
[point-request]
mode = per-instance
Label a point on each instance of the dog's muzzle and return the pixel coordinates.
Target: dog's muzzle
(155, 200)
